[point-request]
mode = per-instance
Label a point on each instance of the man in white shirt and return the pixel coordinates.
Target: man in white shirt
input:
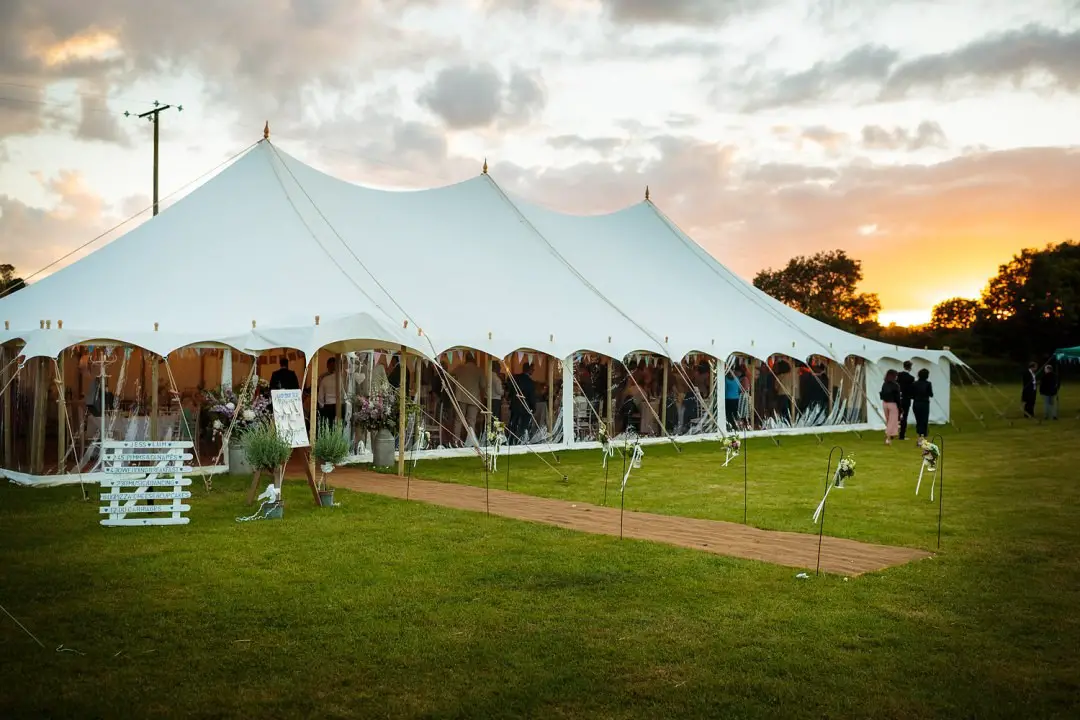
(328, 391)
(467, 392)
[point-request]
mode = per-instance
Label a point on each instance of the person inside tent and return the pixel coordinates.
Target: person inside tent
(328, 391)
(921, 393)
(521, 404)
(732, 394)
(468, 380)
(283, 378)
(905, 380)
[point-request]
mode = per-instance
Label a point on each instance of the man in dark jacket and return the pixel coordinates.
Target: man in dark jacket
(522, 403)
(1049, 386)
(905, 380)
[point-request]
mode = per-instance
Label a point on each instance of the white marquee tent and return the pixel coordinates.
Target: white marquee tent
(251, 258)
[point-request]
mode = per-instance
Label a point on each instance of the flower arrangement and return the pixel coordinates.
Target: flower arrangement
(731, 443)
(930, 454)
(222, 403)
(845, 468)
(496, 433)
(377, 411)
(602, 434)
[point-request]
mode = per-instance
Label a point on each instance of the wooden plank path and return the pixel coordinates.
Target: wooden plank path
(798, 550)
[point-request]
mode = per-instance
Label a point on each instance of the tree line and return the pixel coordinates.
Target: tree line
(1029, 308)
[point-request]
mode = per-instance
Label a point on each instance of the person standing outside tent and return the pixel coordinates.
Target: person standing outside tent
(905, 380)
(467, 392)
(328, 391)
(921, 393)
(1030, 390)
(1049, 386)
(890, 402)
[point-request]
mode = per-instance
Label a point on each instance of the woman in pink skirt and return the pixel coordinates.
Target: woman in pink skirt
(890, 401)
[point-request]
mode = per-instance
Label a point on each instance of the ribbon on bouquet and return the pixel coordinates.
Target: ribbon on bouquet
(933, 482)
(635, 459)
(609, 451)
(270, 497)
(730, 454)
(821, 505)
(493, 455)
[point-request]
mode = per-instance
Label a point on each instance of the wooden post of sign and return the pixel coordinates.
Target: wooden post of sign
(551, 396)
(154, 408)
(314, 419)
(663, 398)
(61, 416)
(8, 391)
(402, 381)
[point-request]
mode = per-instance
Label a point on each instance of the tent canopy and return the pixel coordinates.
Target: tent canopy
(274, 253)
(1072, 353)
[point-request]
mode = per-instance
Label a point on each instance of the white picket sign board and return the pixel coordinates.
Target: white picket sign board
(163, 469)
(289, 416)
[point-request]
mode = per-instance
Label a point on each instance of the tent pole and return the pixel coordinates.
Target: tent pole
(490, 386)
(37, 439)
(340, 395)
(313, 405)
(8, 391)
(402, 380)
(551, 396)
(61, 417)
(663, 397)
(753, 390)
(154, 407)
(610, 410)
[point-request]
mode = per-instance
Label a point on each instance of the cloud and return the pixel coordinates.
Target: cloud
(939, 229)
(1017, 56)
(826, 137)
(476, 96)
(1013, 55)
(928, 134)
(258, 59)
(34, 237)
(600, 145)
(676, 12)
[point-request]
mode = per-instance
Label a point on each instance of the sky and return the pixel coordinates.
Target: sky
(931, 140)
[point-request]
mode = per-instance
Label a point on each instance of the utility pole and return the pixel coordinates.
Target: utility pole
(154, 117)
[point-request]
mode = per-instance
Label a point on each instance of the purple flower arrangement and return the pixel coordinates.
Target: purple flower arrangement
(222, 406)
(377, 411)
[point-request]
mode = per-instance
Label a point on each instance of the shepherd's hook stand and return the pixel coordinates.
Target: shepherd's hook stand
(940, 442)
(824, 502)
(744, 451)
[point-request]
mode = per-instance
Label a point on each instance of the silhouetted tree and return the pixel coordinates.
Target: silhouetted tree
(823, 286)
(954, 314)
(8, 282)
(1032, 305)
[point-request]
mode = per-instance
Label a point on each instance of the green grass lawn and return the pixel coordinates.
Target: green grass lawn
(382, 608)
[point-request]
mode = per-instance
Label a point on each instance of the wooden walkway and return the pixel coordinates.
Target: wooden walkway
(797, 550)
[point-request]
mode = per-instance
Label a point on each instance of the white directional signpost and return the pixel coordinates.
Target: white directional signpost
(133, 468)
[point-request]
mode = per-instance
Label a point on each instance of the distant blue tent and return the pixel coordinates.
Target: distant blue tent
(1068, 354)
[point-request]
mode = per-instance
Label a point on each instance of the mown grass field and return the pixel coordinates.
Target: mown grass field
(382, 608)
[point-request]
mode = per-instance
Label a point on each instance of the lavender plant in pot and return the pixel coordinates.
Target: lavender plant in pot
(330, 449)
(267, 451)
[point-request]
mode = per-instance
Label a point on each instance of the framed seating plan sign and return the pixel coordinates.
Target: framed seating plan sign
(289, 416)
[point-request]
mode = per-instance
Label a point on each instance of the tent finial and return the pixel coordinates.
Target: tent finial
(266, 130)
(59, 324)
(485, 167)
(646, 192)
(7, 324)
(155, 327)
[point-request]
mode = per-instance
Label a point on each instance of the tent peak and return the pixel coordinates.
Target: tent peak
(485, 168)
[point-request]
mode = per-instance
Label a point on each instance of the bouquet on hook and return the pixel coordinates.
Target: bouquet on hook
(845, 469)
(496, 438)
(605, 443)
(731, 445)
(930, 454)
(377, 411)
